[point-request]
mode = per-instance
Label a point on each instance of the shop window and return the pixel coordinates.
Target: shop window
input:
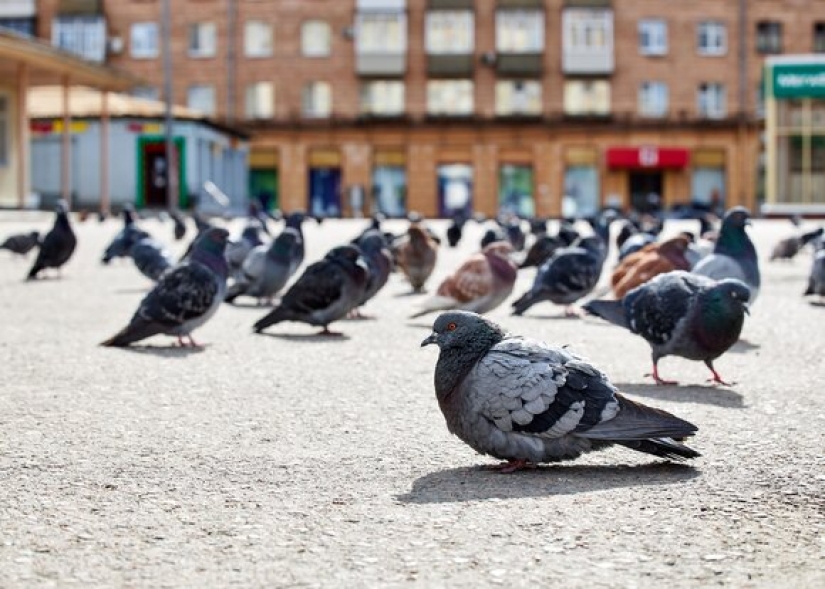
(711, 38)
(257, 39)
(518, 97)
(260, 100)
(315, 38)
(450, 97)
(520, 31)
(652, 37)
(581, 191)
(316, 100)
(449, 32)
(382, 98)
(202, 39)
(708, 187)
(201, 97)
(769, 37)
(455, 190)
(653, 99)
(389, 190)
(515, 190)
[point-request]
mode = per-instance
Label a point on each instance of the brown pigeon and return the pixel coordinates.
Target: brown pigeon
(416, 255)
(651, 260)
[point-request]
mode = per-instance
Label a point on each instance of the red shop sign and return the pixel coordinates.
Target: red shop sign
(647, 156)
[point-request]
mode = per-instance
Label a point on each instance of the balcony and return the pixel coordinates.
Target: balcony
(450, 65)
(527, 65)
(381, 42)
(587, 41)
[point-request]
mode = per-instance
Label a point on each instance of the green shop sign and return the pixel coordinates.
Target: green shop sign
(802, 80)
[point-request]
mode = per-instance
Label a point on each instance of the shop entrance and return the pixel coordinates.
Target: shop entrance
(646, 191)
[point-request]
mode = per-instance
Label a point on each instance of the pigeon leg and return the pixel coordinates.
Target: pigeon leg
(181, 343)
(192, 342)
(512, 466)
(326, 331)
(573, 311)
(716, 378)
(659, 379)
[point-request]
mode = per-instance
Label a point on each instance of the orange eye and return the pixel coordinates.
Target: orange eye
(451, 326)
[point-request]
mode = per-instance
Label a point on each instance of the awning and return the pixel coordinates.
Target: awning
(647, 156)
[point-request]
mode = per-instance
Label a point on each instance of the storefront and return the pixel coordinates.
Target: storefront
(646, 169)
(795, 134)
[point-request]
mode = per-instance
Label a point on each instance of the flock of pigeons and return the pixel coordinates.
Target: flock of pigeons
(513, 398)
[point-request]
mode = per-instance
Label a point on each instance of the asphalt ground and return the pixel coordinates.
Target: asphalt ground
(291, 460)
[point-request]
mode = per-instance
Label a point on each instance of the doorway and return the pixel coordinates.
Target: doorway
(151, 167)
(325, 192)
(646, 191)
(455, 190)
(263, 187)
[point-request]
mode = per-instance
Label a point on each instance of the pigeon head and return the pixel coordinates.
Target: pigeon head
(209, 250)
(733, 240)
(251, 233)
(733, 292)
(463, 329)
(372, 241)
(350, 256)
(737, 217)
(283, 245)
(417, 233)
(502, 249)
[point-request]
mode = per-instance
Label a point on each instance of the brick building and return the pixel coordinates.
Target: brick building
(540, 106)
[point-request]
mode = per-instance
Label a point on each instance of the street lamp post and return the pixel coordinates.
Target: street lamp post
(171, 155)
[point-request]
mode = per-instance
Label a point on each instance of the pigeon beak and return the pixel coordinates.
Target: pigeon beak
(747, 310)
(430, 339)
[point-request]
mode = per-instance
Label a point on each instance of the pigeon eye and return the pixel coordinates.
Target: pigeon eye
(451, 326)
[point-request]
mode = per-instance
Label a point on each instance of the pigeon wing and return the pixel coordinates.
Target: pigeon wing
(473, 280)
(317, 289)
(183, 294)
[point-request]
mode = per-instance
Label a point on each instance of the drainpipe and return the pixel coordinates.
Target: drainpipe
(231, 39)
(169, 132)
(742, 115)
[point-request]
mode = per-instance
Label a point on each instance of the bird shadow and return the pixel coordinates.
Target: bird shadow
(250, 305)
(817, 303)
(743, 346)
(308, 337)
(410, 293)
(556, 317)
(703, 394)
(173, 351)
(129, 291)
(478, 483)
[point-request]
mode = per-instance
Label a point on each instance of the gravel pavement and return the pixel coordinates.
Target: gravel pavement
(290, 460)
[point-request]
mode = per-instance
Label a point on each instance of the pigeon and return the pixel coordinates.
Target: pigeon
(566, 277)
(296, 221)
(635, 243)
(121, 245)
(816, 282)
(523, 401)
(375, 225)
(787, 248)
(515, 234)
(492, 235)
(416, 255)
(22, 243)
(151, 258)
(538, 226)
(455, 230)
(542, 250)
(184, 298)
(128, 215)
(681, 314)
(267, 268)
(324, 293)
(180, 225)
(379, 261)
(58, 245)
(480, 284)
(734, 255)
(652, 260)
(238, 250)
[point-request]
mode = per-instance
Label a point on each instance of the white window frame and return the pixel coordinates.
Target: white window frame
(313, 93)
(82, 35)
(5, 130)
(507, 93)
(257, 46)
(259, 109)
(711, 105)
(207, 34)
(307, 34)
(449, 32)
(591, 85)
(655, 30)
(372, 93)
(201, 87)
(659, 93)
(463, 103)
(380, 42)
(512, 24)
(144, 40)
(712, 30)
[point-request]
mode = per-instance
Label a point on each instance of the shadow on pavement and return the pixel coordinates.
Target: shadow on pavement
(172, 351)
(743, 346)
(308, 337)
(478, 483)
(707, 395)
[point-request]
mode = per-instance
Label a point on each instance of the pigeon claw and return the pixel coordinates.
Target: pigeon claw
(718, 380)
(573, 311)
(512, 466)
(658, 379)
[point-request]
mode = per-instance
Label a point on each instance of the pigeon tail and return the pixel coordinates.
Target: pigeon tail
(136, 330)
(277, 315)
(524, 303)
(435, 303)
(34, 271)
(645, 429)
(612, 311)
(234, 291)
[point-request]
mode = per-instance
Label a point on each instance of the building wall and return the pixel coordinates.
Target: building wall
(8, 172)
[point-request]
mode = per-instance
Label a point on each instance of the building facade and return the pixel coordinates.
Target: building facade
(541, 107)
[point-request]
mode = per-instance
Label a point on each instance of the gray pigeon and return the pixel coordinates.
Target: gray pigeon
(238, 250)
(681, 314)
(570, 274)
(734, 255)
(21, 244)
(267, 268)
(816, 282)
(179, 225)
(325, 292)
(786, 249)
(184, 298)
(379, 261)
(523, 401)
(151, 258)
(58, 245)
(122, 244)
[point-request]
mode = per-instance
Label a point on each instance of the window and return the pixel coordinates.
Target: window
(588, 30)
(82, 35)
(520, 31)
(257, 39)
(201, 97)
(518, 97)
(381, 32)
(587, 97)
(4, 131)
(316, 100)
(652, 37)
(449, 32)
(315, 39)
(260, 100)
(769, 37)
(711, 38)
(711, 100)
(146, 92)
(450, 97)
(382, 98)
(143, 40)
(653, 99)
(202, 39)
(22, 26)
(819, 37)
